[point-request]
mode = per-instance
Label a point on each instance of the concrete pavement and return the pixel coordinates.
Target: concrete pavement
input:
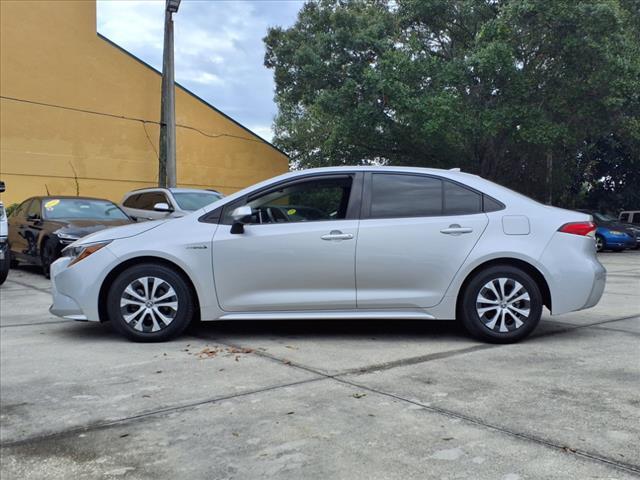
(321, 399)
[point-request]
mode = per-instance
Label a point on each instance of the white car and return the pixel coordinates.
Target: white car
(353, 243)
(160, 203)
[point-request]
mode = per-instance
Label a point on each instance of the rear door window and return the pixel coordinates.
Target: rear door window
(397, 196)
(149, 199)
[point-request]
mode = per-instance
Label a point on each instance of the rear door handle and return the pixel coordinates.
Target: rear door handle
(456, 229)
(337, 235)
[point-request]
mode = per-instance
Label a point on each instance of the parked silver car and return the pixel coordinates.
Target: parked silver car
(340, 243)
(159, 203)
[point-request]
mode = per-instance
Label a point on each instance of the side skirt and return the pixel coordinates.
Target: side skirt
(408, 314)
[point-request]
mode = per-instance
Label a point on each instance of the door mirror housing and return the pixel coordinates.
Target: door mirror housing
(32, 217)
(162, 207)
(241, 216)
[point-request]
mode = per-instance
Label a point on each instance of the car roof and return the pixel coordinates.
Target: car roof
(172, 190)
(71, 197)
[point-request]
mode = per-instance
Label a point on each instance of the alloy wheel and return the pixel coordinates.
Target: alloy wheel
(599, 243)
(149, 304)
(503, 305)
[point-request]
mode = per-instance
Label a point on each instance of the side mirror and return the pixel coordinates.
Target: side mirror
(33, 218)
(162, 207)
(1, 186)
(240, 216)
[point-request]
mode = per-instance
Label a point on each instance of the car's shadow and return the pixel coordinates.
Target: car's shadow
(353, 329)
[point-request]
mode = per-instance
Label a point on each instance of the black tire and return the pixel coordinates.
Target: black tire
(180, 318)
(600, 243)
(48, 256)
(483, 326)
(13, 263)
(4, 270)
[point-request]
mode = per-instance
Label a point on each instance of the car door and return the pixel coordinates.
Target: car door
(415, 233)
(17, 221)
(31, 228)
(298, 250)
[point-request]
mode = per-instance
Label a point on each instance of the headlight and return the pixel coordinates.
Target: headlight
(80, 252)
(66, 238)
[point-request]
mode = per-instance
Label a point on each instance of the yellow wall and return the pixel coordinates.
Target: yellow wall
(50, 53)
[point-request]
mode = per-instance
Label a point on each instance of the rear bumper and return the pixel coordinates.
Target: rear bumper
(575, 276)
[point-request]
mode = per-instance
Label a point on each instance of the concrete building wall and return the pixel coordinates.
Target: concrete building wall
(73, 106)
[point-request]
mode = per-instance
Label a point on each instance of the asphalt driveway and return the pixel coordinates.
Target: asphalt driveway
(324, 399)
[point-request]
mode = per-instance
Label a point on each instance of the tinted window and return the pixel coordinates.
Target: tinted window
(491, 205)
(459, 200)
(146, 201)
(636, 219)
(34, 209)
(21, 210)
(82, 208)
(405, 196)
(624, 217)
(314, 200)
(195, 200)
(132, 201)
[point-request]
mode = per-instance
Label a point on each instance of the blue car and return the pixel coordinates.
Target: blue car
(610, 234)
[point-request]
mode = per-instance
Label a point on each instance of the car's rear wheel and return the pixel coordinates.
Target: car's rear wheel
(150, 303)
(501, 304)
(599, 243)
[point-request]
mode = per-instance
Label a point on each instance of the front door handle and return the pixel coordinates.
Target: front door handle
(456, 229)
(337, 235)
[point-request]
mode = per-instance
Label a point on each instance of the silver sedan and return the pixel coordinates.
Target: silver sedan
(340, 243)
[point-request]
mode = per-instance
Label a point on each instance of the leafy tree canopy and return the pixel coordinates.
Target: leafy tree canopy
(502, 88)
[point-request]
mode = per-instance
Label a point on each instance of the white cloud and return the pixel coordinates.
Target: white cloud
(218, 49)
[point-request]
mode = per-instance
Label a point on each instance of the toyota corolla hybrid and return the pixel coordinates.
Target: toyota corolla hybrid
(353, 243)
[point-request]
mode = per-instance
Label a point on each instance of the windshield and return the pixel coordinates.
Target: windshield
(82, 208)
(603, 217)
(195, 200)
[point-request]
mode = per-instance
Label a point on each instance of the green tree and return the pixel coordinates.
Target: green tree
(501, 88)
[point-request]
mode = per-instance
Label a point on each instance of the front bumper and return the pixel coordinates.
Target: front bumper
(75, 289)
(63, 305)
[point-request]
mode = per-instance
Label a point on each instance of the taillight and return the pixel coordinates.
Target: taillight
(579, 228)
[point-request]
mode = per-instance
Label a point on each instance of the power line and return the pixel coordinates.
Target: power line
(125, 117)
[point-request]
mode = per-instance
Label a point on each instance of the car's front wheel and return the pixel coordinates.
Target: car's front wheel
(501, 304)
(150, 303)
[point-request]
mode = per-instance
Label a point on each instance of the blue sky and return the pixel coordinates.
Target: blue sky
(218, 48)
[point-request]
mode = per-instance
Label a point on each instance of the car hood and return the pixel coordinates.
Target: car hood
(116, 233)
(81, 228)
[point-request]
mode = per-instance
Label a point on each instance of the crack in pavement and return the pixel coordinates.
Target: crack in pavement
(22, 284)
(141, 416)
(36, 324)
(522, 436)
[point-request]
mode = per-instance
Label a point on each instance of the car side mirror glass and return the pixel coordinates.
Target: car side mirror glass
(241, 216)
(1, 186)
(162, 207)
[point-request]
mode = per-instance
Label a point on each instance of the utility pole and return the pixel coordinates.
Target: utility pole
(167, 160)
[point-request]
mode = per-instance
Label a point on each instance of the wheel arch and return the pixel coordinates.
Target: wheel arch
(527, 267)
(121, 267)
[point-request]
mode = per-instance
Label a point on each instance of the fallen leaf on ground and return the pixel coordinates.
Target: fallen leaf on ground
(359, 395)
